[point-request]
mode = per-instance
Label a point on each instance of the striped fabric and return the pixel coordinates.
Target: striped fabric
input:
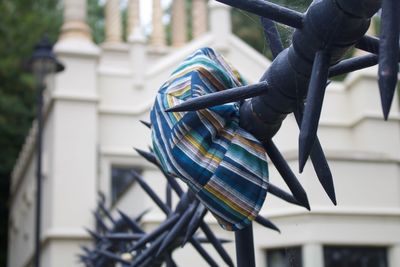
(222, 163)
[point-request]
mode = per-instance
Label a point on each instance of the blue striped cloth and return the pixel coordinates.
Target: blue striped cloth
(222, 163)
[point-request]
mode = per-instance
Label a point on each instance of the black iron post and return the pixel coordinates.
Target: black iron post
(42, 63)
(38, 210)
(245, 247)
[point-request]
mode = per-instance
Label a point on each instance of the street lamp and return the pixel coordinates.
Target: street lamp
(42, 63)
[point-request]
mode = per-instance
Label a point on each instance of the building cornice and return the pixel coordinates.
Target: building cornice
(348, 155)
(332, 211)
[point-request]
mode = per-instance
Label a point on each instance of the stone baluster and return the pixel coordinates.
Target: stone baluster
(113, 22)
(133, 16)
(179, 26)
(74, 25)
(158, 34)
(199, 17)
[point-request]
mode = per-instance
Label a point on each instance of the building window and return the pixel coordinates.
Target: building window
(121, 179)
(349, 256)
(284, 257)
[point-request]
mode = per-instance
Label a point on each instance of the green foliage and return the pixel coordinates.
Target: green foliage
(96, 20)
(298, 5)
(248, 27)
(22, 23)
(168, 26)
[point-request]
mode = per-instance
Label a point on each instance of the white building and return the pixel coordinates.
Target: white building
(92, 123)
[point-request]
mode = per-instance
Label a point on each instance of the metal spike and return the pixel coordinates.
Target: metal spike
(166, 225)
(177, 230)
(221, 97)
(312, 111)
(84, 259)
(353, 64)
(148, 156)
(186, 199)
(194, 223)
(206, 240)
(90, 254)
(150, 261)
(170, 262)
(152, 194)
(369, 44)
(323, 171)
(171, 180)
(131, 223)
(201, 250)
(267, 223)
(112, 256)
(106, 212)
(95, 235)
(102, 197)
(141, 215)
(389, 53)
(123, 236)
(269, 10)
(216, 244)
(119, 225)
(204, 253)
(174, 184)
(146, 123)
(148, 253)
(276, 191)
(319, 161)
(85, 249)
(286, 173)
(145, 258)
(168, 196)
(272, 36)
(100, 222)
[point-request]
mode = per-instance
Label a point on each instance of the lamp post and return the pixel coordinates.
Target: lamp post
(42, 63)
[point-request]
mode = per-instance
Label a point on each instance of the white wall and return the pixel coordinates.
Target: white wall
(92, 124)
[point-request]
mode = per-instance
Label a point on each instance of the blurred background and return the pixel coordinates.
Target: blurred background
(117, 54)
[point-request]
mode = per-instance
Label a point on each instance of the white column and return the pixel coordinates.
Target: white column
(74, 25)
(220, 23)
(113, 22)
(158, 34)
(199, 17)
(179, 25)
(138, 53)
(394, 256)
(72, 190)
(133, 16)
(313, 255)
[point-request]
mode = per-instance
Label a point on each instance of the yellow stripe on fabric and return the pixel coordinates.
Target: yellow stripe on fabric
(228, 202)
(205, 72)
(216, 124)
(213, 79)
(185, 71)
(202, 150)
(171, 101)
(249, 144)
(180, 92)
(177, 115)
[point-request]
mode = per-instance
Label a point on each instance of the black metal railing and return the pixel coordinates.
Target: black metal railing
(295, 83)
